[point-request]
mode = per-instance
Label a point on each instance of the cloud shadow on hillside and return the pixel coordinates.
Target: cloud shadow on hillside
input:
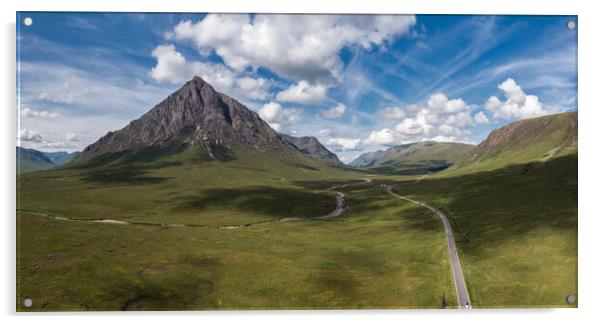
(132, 174)
(491, 207)
(269, 201)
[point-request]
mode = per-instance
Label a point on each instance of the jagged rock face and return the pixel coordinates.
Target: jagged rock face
(311, 146)
(195, 113)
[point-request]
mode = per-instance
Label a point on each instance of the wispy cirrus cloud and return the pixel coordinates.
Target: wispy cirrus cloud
(368, 80)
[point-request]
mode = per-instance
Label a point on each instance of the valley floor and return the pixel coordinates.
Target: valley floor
(515, 230)
(365, 259)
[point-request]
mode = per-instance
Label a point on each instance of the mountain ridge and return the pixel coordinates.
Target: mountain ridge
(195, 113)
(414, 158)
(366, 159)
(525, 141)
(522, 141)
(311, 146)
(29, 160)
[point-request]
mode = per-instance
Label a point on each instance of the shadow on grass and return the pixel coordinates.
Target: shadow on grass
(302, 166)
(491, 207)
(165, 287)
(408, 168)
(153, 153)
(132, 166)
(128, 174)
(325, 184)
(269, 201)
(342, 285)
(148, 154)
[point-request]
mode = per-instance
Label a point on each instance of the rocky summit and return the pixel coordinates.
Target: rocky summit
(194, 114)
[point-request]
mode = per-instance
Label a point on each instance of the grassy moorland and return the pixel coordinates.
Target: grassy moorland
(515, 228)
(382, 253)
(186, 188)
(514, 217)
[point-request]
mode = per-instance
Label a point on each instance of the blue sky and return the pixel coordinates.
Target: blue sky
(358, 83)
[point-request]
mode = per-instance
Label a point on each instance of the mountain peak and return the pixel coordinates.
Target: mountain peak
(195, 114)
(310, 145)
(197, 82)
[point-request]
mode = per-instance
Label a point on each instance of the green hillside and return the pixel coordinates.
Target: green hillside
(524, 141)
(29, 160)
(515, 229)
(416, 158)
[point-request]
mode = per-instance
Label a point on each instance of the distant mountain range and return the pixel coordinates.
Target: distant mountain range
(196, 116)
(29, 160)
(535, 139)
(414, 158)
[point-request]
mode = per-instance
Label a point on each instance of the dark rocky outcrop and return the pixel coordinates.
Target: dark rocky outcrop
(193, 115)
(310, 145)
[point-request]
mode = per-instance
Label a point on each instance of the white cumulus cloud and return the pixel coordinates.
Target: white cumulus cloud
(301, 46)
(481, 118)
(30, 135)
(413, 126)
(334, 112)
(440, 119)
(254, 88)
(341, 144)
(517, 105)
(440, 103)
(382, 137)
(278, 117)
(33, 139)
(303, 93)
(72, 137)
(173, 67)
(28, 112)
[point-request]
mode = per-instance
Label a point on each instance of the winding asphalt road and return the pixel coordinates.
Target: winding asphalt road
(461, 291)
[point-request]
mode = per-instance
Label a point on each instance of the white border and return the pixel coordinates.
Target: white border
(590, 159)
(550, 7)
